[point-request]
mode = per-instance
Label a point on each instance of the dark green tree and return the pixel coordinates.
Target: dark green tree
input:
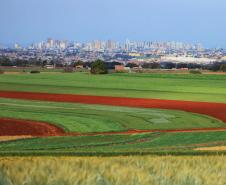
(4, 61)
(98, 67)
(223, 67)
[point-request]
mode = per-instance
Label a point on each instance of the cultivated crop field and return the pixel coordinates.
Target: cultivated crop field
(83, 114)
(139, 116)
(207, 88)
(136, 170)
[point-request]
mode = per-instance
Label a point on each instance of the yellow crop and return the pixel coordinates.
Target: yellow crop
(136, 170)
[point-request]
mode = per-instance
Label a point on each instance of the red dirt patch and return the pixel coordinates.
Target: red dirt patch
(217, 110)
(14, 127)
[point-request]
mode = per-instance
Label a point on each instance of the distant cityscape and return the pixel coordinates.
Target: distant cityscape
(138, 52)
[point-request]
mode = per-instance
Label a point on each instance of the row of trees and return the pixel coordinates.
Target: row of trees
(101, 67)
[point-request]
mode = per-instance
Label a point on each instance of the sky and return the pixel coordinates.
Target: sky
(192, 21)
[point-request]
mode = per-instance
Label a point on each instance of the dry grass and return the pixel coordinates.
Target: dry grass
(168, 170)
(11, 138)
(213, 148)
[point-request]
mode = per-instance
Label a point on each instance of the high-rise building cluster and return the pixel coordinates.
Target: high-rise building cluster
(110, 45)
(50, 44)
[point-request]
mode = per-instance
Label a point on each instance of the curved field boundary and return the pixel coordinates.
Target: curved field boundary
(217, 110)
(16, 127)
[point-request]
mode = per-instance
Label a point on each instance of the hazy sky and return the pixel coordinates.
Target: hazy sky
(27, 21)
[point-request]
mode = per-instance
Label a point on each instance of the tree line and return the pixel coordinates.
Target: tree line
(102, 66)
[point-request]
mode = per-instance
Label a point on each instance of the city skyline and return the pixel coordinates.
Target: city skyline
(51, 43)
(186, 21)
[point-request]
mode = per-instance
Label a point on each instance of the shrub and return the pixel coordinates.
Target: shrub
(98, 67)
(34, 71)
(121, 71)
(195, 72)
(68, 70)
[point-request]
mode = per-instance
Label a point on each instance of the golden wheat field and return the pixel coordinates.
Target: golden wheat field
(166, 170)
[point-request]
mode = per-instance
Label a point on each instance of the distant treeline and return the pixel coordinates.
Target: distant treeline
(216, 66)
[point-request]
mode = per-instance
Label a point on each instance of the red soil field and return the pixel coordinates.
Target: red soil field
(13, 127)
(217, 110)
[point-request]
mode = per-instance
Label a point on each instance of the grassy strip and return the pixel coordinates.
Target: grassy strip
(163, 86)
(64, 143)
(154, 143)
(109, 154)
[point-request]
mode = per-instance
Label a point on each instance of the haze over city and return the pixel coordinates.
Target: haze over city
(191, 21)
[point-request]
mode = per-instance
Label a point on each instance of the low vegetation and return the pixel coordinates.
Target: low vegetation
(34, 71)
(116, 145)
(195, 72)
(97, 118)
(162, 86)
(69, 69)
(147, 170)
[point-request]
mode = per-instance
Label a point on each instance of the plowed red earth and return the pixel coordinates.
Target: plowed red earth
(18, 127)
(13, 127)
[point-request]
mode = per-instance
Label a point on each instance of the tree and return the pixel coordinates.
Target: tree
(132, 65)
(4, 61)
(152, 65)
(215, 66)
(79, 63)
(223, 67)
(98, 67)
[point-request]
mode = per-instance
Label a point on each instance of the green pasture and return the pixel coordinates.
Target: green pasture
(97, 118)
(207, 88)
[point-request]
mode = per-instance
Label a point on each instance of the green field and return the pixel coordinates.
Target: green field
(150, 143)
(207, 88)
(97, 118)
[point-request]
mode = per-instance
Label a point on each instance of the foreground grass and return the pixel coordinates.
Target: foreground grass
(162, 86)
(97, 118)
(135, 170)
